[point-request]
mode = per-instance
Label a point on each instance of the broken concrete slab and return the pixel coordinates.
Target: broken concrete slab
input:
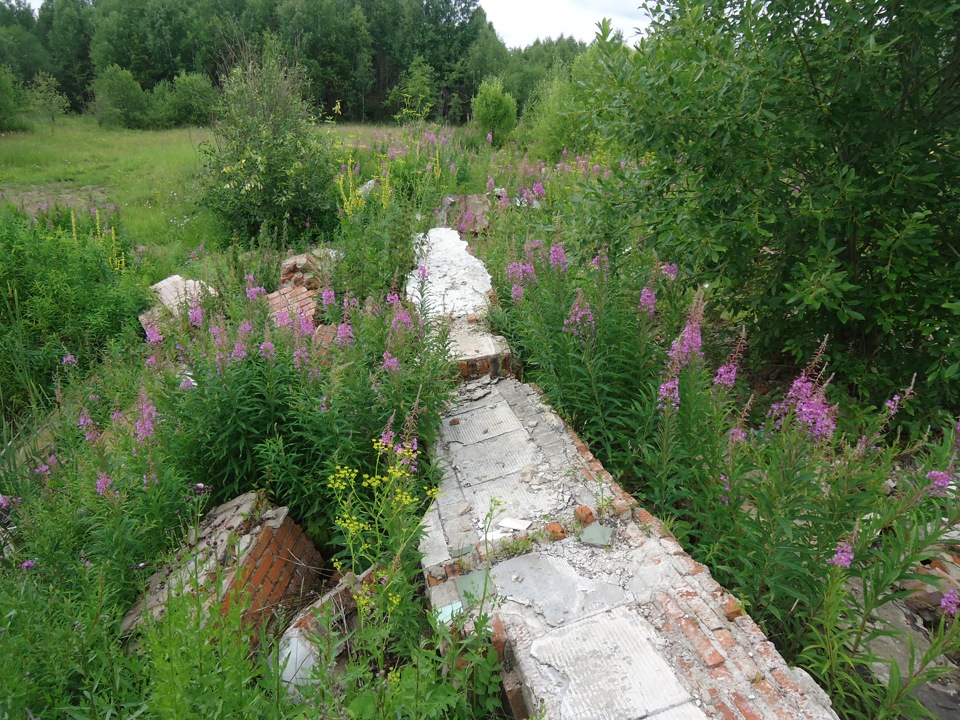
(457, 284)
(173, 293)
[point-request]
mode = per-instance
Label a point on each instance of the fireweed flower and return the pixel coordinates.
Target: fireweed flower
(688, 346)
(579, 322)
(390, 363)
(305, 323)
(104, 482)
(144, 425)
(400, 317)
(300, 356)
(267, 350)
(329, 297)
(725, 499)
(516, 294)
(344, 334)
(68, 360)
(670, 270)
(939, 483)
(85, 423)
(254, 292)
(27, 564)
(726, 375)
(843, 556)
(154, 337)
(648, 301)
(239, 351)
(422, 272)
(950, 603)
(282, 319)
(669, 394)
(187, 384)
(196, 314)
(809, 405)
(737, 435)
(558, 258)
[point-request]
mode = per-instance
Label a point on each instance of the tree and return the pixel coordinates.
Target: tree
(495, 110)
(119, 101)
(65, 29)
(415, 94)
(46, 98)
(11, 102)
(801, 157)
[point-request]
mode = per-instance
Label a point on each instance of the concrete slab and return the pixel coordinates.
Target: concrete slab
(433, 545)
(457, 283)
(552, 588)
(596, 534)
(482, 423)
(480, 462)
(687, 711)
(585, 684)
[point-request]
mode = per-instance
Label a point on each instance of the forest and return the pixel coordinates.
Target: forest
(359, 57)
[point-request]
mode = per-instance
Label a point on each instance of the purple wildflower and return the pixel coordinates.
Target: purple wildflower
(726, 375)
(27, 564)
(939, 483)
(245, 329)
(950, 603)
(579, 322)
(85, 423)
(344, 334)
(390, 363)
(4, 502)
(401, 317)
(422, 272)
(187, 384)
(669, 394)
(725, 499)
(43, 470)
(150, 361)
(219, 336)
(809, 405)
(153, 336)
(254, 292)
(893, 404)
(300, 356)
(516, 293)
(538, 190)
(323, 404)
(144, 425)
(239, 351)
(558, 258)
(329, 297)
(103, 483)
(305, 323)
(737, 435)
(648, 301)
(670, 270)
(843, 556)
(688, 345)
(196, 314)
(267, 350)
(68, 359)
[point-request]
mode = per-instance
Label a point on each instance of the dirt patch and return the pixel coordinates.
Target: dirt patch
(34, 199)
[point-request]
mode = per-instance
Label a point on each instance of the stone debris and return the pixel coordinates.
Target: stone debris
(312, 270)
(243, 548)
(292, 302)
(333, 614)
(173, 293)
(597, 611)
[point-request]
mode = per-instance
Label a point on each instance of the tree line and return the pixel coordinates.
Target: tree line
(366, 58)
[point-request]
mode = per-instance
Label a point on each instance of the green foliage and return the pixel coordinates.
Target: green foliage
(119, 101)
(269, 168)
(415, 93)
(11, 102)
(190, 99)
(45, 97)
(798, 159)
(495, 110)
(65, 291)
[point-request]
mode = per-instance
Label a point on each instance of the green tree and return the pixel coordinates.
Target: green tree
(45, 97)
(65, 28)
(800, 156)
(415, 94)
(119, 101)
(495, 110)
(11, 101)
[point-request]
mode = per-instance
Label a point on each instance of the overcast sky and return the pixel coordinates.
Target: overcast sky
(520, 22)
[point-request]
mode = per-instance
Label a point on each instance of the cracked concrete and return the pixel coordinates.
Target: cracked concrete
(613, 620)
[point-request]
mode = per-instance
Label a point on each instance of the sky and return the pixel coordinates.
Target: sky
(520, 22)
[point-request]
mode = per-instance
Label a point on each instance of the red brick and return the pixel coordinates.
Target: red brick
(280, 535)
(260, 573)
(725, 639)
(584, 515)
(765, 689)
(731, 607)
(768, 652)
(722, 673)
(432, 581)
(556, 531)
(513, 696)
(726, 712)
(786, 682)
(453, 569)
(746, 707)
(701, 643)
(263, 542)
(499, 638)
(278, 569)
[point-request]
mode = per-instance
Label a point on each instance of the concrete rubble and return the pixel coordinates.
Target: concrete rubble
(242, 547)
(597, 611)
(173, 293)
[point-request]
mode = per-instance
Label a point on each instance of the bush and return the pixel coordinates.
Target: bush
(65, 292)
(11, 102)
(119, 101)
(268, 167)
(190, 99)
(495, 110)
(800, 159)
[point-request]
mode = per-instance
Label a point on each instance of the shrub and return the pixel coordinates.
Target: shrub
(190, 100)
(119, 101)
(11, 102)
(800, 159)
(268, 167)
(65, 292)
(46, 98)
(495, 110)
